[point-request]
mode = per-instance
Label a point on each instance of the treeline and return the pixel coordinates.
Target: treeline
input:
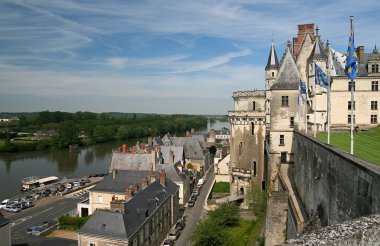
(85, 128)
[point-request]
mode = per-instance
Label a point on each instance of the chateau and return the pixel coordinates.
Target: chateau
(265, 124)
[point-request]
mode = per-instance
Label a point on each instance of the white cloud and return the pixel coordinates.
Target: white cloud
(117, 62)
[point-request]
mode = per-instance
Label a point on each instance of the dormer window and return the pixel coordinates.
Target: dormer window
(375, 68)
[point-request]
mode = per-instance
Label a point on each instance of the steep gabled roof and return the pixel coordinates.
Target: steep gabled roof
(288, 76)
(131, 161)
(177, 152)
(272, 59)
(318, 52)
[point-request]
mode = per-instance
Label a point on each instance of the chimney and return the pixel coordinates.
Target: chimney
(117, 205)
(124, 148)
(187, 134)
(360, 53)
(128, 194)
(136, 188)
(147, 148)
(153, 157)
(150, 141)
(171, 157)
(144, 183)
(163, 177)
(152, 176)
(114, 172)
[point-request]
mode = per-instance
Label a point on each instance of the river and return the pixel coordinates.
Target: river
(60, 163)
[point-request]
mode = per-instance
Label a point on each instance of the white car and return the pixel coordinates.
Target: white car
(5, 203)
(201, 181)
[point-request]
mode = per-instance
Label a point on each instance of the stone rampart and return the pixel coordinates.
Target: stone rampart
(332, 183)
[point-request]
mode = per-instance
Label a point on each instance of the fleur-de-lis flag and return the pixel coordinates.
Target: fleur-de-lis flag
(351, 68)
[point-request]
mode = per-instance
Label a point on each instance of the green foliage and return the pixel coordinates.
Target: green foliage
(189, 166)
(225, 215)
(209, 233)
(366, 144)
(247, 232)
(72, 223)
(257, 198)
(96, 128)
(221, 187)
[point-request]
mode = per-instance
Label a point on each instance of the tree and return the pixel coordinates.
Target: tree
(257, 197)
(226, 214)
(209, 233)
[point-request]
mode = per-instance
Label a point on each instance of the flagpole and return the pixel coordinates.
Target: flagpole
(315, 102)
(328, 94)
(352, 98)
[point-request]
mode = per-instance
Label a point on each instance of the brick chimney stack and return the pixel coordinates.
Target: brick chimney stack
(152, 176)
(171, 157)
(124, 148)
(147, 149)
(150, 141)
(187, 134)
(163, 177)
(117, 205)
(136, 188)
(144, 183)
(360, 53)
(128, 194)
(114, 172)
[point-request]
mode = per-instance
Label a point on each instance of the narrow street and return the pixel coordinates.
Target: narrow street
(194, 214)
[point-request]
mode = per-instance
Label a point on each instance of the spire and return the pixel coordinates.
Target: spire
(272, 59)
(375, 50)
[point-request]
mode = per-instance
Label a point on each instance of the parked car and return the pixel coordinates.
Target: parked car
(173, 234)
(26, 204)
(61, 188)
(82, 182)
(34, 230)
(46, 192)
(13, 209)
(179, 225)
(49, 223)
(38, 195)
(201, 182)
(5, 203)
(195, 193)
(69, 186)
(193, 197)
(76, 183)
(88, 181)
(168, 242)
(191, 203)
(29, 197)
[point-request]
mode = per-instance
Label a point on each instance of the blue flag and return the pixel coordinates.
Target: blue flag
(320, 77)
(351, 68)
(302, 87)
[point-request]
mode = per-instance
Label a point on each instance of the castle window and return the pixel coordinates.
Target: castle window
(375, 68)
(252, 128)
(254, 106)
(272, 74)
(373, 105)
(351, 83)
(254, 169)
(375, 86)
(282, 140)
(240, 147)
(373, 119)
(291, 122)
(285, 101)
(349, 119)
(349, 105)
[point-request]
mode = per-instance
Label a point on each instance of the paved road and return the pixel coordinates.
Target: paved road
(37, 215)
(194, 214)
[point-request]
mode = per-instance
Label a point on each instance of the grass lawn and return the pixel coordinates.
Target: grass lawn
(247, 232)
(221, 187)
(366, 145)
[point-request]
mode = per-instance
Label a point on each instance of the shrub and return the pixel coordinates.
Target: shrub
(72, 223)
(189, 166)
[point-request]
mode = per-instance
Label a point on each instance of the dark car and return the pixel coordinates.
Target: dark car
(82, 182)
(193, 197)
(173, 234)
(88, 181)
(168, 242)
(191, 203)
(179, 225)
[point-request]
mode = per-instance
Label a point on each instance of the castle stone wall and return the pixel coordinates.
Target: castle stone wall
(334, 184)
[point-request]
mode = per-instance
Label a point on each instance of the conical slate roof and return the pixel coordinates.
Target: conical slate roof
(272, 59)
(288, 77)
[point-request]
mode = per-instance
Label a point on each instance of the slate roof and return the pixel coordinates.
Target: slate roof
(200, 137)
(272, 59)
(3, 221)
(172, 172)
(123, 179)
(140, 207)
(177, 152)
(167, 139)
(130, 161)
(288, 77)
(193, 149)
(318, 53)
(157, 141)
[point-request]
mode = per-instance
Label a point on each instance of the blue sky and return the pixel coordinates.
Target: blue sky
(158, 56)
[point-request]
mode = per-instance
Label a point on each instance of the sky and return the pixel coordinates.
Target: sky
(159, 56)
